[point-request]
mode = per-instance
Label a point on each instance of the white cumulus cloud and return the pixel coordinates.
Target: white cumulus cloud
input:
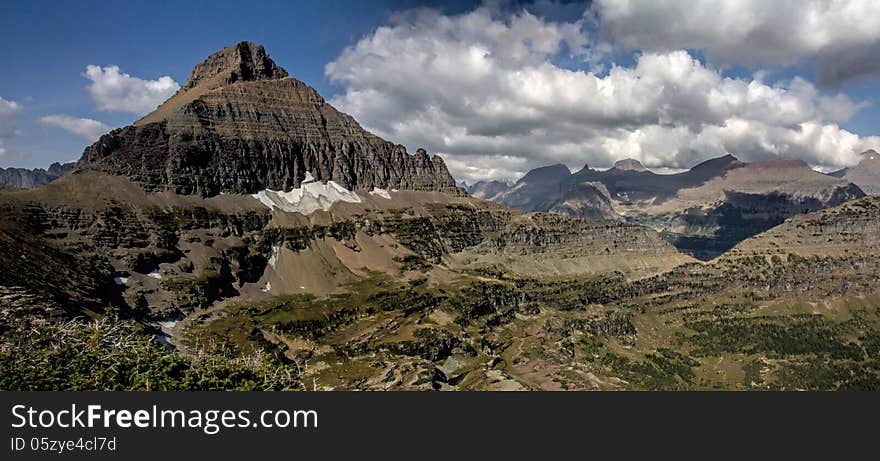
(841, 36)
(86, 128)
(113, 90)
(8, 107)
(7, 110)
(486, 92)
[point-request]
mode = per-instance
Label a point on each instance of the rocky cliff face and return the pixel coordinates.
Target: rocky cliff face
(541, 244)
(23, 178)
(746, 200)
(243, 62)
(850, 230)
(241, 125)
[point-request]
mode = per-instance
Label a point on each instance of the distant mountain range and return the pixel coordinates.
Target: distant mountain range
(24, 178)
(703, 211)
(866, 174)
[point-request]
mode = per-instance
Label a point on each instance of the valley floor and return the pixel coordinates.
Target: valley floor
(748, 323)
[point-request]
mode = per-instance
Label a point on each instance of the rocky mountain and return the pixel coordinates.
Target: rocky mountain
(629, 164)
(538, 190)
(246, 185)
(844, 231)
(703, 211)
(629, 182)
(626, 182)
(248, 236)
(866, 174)
(487, 190)
(588, 198)
(240, 125)
(23, 178)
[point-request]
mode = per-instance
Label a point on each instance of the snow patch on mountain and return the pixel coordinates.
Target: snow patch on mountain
(380, 193)
(311, 196)
(273, 259)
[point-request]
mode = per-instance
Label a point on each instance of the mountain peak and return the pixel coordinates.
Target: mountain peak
(866, 174)
(556, 172)
(241, 125)
(717, 165)
(245, 61)
(629, 164)
(785, 163)
(487, 190)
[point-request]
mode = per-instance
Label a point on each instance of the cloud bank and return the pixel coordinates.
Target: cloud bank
(86, 128)
(487, 92)
(842, 37)
(117, 91)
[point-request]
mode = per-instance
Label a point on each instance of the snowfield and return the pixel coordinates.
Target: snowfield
(313, 195)
(273, 259)
(380, 193)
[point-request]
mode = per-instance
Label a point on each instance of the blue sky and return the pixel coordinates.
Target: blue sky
(48, 44)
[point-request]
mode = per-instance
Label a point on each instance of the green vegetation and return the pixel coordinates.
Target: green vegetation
(107, 355)
(413, 263)
(773, 335)
(697, 327)
(663, 370)
(746, 321)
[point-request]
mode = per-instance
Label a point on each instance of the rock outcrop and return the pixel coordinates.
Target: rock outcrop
(24, 178)
(241, 125)
(850, 230)
(629, 164)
